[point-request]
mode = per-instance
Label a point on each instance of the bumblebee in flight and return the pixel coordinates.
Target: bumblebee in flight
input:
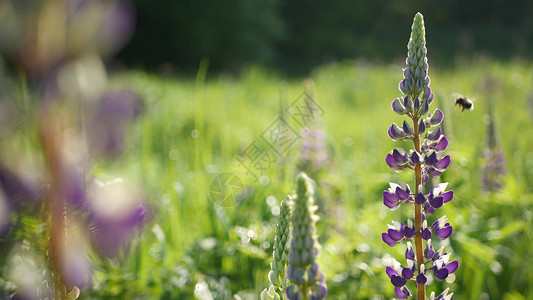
(464, 103)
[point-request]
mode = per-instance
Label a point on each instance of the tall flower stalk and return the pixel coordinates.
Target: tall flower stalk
(303, 270)
(494, 170)
(426, 159)
(277, 276)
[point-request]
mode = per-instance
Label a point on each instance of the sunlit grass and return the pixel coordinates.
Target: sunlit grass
(192, 130)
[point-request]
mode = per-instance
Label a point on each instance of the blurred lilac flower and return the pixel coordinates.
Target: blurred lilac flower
(117, 210)
(19, 187)
(315, 155)
(117, 28)
(495, 169)
(106, 125)
(56, 46)
(5, 212)
(72, 256)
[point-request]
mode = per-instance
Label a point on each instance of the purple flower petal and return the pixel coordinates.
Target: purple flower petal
(390, 200)
(402, 293)
(401, 194)
(410, 252)
(447, 196)
(292, 292)
(421, 279)
(408, 232)
(445, 232)
(435, 135)
(398, 281)
(425, 234)
(419, 84)
(407, 128)
(441, 274)
(433, 172)
(392, 206)
(429, 210)
(407, 189)
(415, 158)
(416, 104)
(407, 273)
(420, 198)
(318, 292)
(400, 156)
(436, 202)
(388, 240)
(442, 144)
(443, 163)
(429, 252)
(421, 127)
(431, 159)
(407, 103)
(390, 271)
(402, 86)
(452, 267)
(436, 118)
(395, 132)
(390, 197)
(397, 106)
(391, 162)
(425, 107)
(395, 235)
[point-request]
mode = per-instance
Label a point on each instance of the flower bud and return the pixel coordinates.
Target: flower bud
(398, 107)
(434, 135)
(407, 129)
(402, 86)
(442, 164)
(415, 158)
(421, 127)
(436, 118)
(395, 132)
(304, 245)
(420, 198)
(425, 108)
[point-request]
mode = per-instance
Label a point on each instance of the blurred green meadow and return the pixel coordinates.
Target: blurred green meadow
(193, 129)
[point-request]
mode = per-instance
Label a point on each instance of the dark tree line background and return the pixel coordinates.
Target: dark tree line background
(294, 36)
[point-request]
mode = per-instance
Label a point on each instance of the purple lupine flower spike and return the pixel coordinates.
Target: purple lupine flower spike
(427, 160)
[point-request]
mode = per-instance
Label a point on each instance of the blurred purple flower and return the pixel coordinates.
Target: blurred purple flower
(117, 28)
(19, 187)
(314, 155)
(117, 210)
(72, 256)
(5, 212)
(107, 124)
(494, 170)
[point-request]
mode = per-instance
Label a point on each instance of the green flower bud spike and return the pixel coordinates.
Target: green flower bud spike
(303, 270)
(276, 276)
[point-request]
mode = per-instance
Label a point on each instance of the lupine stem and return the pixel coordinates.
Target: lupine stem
(418, 213)
(427, 161)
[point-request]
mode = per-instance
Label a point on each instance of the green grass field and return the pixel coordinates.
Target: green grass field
(193, 130)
